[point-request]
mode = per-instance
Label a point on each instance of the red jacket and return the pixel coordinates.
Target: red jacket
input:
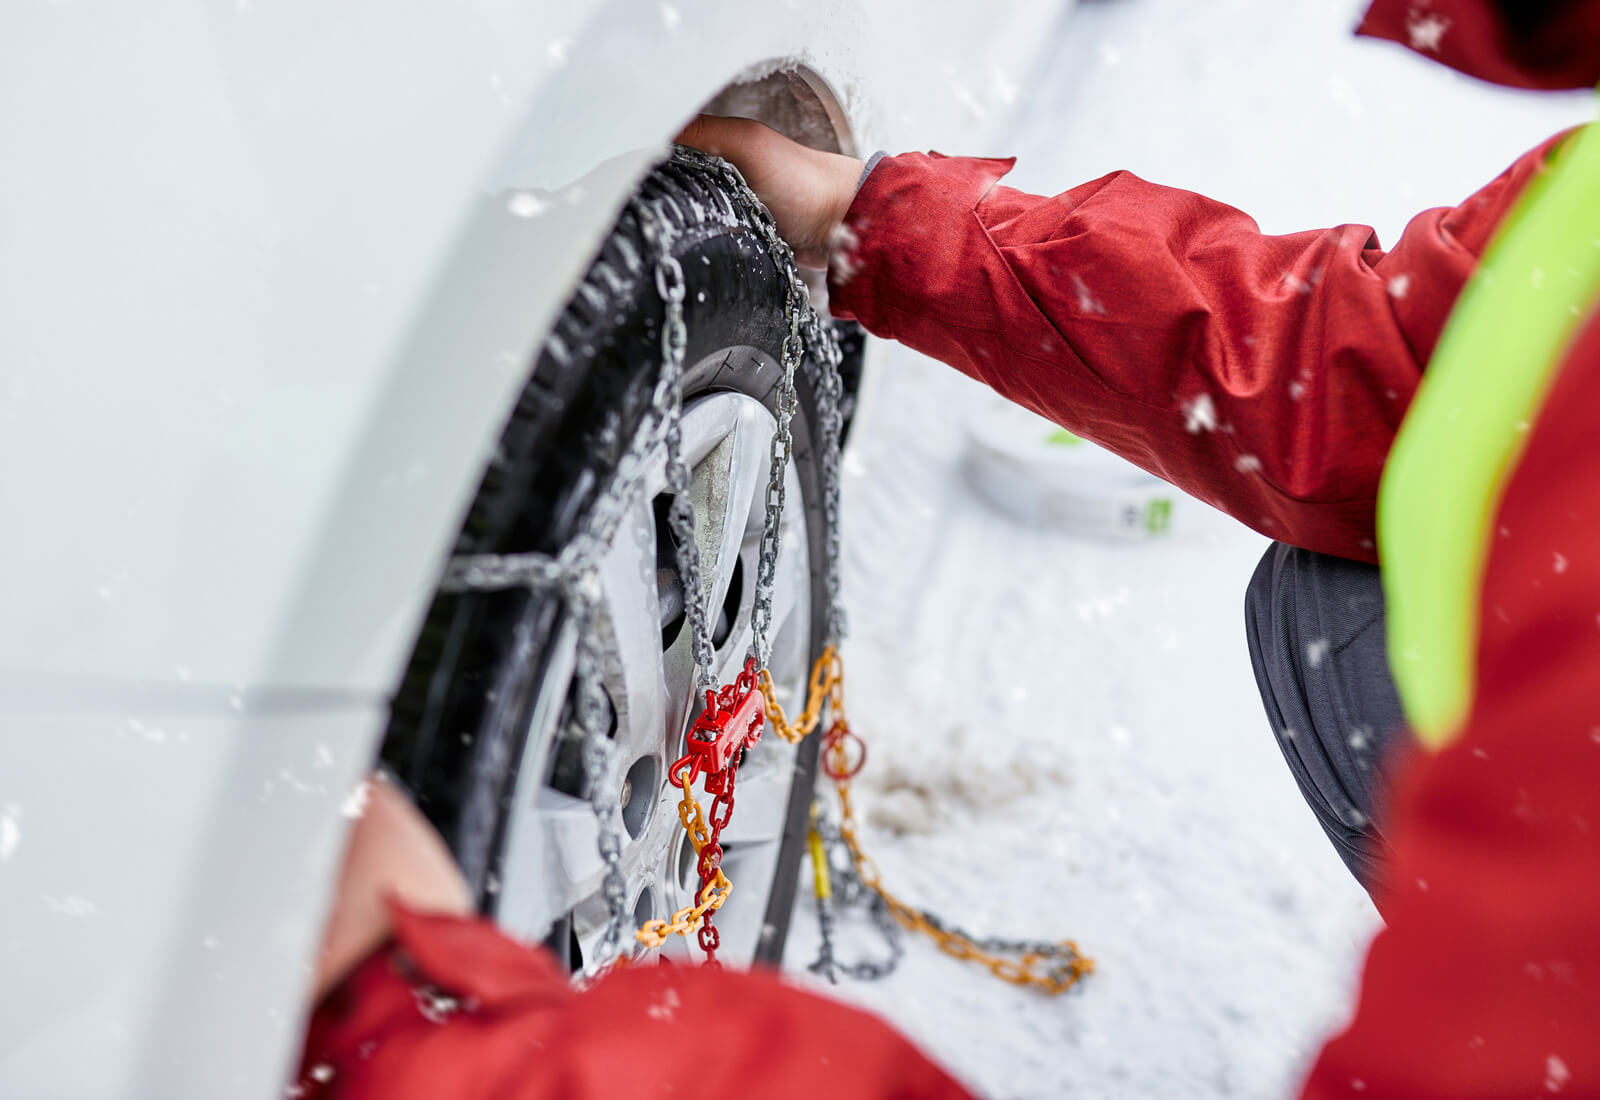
(1266, 375)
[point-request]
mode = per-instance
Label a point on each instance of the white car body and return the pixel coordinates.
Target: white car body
(270, 278)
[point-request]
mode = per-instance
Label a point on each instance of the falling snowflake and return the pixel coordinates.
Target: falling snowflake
(1400, 286)
(153, 734)
(1561, 563)
(1556, 1073)
(355, 803)
(1426, 29)
(1247, 464)
(10, 832)
(557, 51)
(1316, 651)
(842, 245)
(71, 906)
(524, 204)
(670, 17)
(1086, 301)
(1200, 415)
(667, 1007)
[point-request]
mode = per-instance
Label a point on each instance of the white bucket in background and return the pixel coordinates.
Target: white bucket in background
(1044, 475)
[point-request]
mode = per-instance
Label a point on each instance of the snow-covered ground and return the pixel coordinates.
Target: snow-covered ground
(1066, 738)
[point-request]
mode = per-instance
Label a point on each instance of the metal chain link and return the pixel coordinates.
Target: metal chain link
(782, 447)
(598, 769)
(840, 889)
(806, 331)
(680, 514)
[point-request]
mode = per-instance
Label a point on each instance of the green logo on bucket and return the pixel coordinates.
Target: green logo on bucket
(1158, 515)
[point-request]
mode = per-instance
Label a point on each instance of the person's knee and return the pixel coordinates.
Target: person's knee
(1316, 636)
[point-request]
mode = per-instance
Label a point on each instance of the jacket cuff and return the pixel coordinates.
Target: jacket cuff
(912, 213)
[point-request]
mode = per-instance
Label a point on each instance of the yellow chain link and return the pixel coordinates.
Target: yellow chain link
(825, 677)
(654, 933)
(1050, 973)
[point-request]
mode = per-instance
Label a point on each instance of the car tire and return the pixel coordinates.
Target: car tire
(479, 729)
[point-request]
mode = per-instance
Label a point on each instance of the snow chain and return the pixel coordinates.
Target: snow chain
(734, 716)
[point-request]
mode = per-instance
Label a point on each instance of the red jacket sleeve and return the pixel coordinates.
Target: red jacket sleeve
(1486, 983)
(455, 1009)
(1265, 375)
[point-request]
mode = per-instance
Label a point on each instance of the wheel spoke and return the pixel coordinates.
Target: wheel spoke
(555, 861)
(761, 800)
(743, 920)
(632, 661)
(791, 599)
(728, 485)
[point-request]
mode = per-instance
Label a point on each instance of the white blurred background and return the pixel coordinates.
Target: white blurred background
(1066, 737)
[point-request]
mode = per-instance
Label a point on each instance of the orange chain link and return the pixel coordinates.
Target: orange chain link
(1051, 973)
(826, 675)
(654, 933)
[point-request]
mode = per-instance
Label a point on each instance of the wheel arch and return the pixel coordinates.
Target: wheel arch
(489, 307)
(794, 99)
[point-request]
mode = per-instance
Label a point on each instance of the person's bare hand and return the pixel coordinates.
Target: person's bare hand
(392, 852)
(807, 190)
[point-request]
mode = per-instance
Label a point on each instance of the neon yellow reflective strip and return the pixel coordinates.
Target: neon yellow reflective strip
(1464, 432)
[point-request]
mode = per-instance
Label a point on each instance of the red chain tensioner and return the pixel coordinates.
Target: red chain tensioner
(731, 722)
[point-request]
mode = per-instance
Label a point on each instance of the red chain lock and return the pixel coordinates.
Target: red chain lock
(731, 722)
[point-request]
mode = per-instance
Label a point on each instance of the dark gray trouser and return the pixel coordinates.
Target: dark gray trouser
(1316, 630)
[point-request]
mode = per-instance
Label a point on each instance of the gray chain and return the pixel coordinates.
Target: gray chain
(598, 766)
(782, 448)
(805, 331)
(680, 514)
(849, 892)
